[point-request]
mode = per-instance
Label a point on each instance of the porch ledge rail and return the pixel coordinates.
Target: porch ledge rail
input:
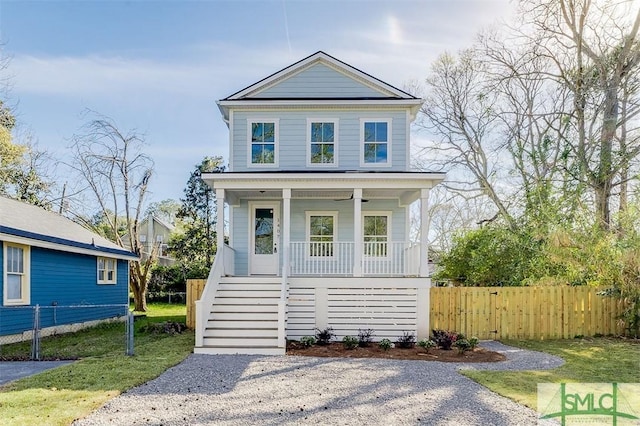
(379, 258)
(203, 306)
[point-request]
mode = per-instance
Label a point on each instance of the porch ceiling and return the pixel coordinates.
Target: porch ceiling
(405, 196)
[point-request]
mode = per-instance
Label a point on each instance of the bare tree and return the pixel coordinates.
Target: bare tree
(594, 47)
(117, 174)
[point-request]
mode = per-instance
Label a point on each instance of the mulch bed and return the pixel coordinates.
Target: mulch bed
(374, 351)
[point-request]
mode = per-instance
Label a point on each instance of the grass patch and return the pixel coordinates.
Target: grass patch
(600, 360)
(58, 396)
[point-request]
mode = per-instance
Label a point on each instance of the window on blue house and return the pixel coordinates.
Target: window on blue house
(375, 142)
(107, 271)
(263, 143)
(16, 274)
(322, 142)
(321, 233)
(376, 234)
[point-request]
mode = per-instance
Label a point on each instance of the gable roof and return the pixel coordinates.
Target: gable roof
(373, 90)
(31, 225)
(328, 60)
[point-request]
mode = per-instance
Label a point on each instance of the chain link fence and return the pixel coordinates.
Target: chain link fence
(64, 332)
(171, 297)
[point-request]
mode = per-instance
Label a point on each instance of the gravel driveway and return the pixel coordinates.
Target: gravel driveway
(245, 390)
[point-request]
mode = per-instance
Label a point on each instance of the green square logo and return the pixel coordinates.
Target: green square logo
(590, 403)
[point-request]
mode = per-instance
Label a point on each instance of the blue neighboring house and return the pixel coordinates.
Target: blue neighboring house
(50, 261)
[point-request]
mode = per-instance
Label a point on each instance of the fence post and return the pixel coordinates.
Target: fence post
(35, 341)
(129, 329)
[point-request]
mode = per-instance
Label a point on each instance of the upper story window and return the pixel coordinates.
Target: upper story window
(375, 136)
(16, 274)
(321, 228)
(107, 270)
(322, 140)
(263, 138)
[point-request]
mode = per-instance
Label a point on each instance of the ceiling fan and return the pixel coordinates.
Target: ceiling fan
(351, 198)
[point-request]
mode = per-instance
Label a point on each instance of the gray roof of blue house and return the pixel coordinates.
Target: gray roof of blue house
(48, 229)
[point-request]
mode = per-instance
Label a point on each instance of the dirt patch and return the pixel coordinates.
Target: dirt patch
(374, 351)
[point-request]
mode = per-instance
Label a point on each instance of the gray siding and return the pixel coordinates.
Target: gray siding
(319, 81)
(291, 143)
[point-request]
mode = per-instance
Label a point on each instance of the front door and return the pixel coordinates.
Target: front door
(265, 235)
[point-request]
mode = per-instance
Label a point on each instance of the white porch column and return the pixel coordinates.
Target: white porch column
(220, 226)
(357, 232)
(424, 232)
(286, 235)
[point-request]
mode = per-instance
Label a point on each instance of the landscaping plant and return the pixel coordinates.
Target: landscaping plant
(473, 342)
(444, 339)
(385, 344)
(308, 341)
(350, 342)
(324, 336)
(406, 341)
(462, 345)
(365, 337)
(426, 344)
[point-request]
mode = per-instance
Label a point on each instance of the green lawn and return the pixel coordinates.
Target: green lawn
(72, 391)
(599, 360)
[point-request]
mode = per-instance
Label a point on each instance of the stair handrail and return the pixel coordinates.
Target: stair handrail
(203, 306)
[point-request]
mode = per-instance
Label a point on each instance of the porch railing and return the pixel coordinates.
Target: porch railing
(337, 258)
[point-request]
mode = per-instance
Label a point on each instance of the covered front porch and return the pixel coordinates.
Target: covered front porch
(343, 224)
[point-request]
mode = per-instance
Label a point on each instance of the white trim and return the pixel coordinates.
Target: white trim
(276, 142)
(407, 142)
(231, 144)
(62, 247)
(25, 282)
(329, 181)
(107, 260)
(389, 141)
(307, 229)
(275, 204)
(336, 137)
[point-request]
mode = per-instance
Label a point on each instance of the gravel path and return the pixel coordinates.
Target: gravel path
(244, 390)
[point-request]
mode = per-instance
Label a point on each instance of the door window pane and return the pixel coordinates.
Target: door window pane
(264, 231)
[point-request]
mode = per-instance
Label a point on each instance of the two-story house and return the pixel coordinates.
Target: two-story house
(318, 196)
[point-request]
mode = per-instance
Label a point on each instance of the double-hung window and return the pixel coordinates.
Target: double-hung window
(263, 137)
(321, 228)
(376, 234)
(107, 273)
(322, 140)
(376, 136)
(16, 274)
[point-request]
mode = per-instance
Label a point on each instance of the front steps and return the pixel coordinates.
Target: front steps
(243, 318)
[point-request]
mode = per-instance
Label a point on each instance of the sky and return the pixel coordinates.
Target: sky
(159, 66)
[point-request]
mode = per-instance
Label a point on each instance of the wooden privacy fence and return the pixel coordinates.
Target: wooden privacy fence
(194, 290)
(524, 312)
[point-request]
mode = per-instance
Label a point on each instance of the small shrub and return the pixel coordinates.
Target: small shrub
(444, 339)
(462, 345)
(324, 336)
(350, 342)
(167, 327)
(308, 341)
(365, 337)
(473, 342)
(407, 341)
(426, 344)
(385, 344)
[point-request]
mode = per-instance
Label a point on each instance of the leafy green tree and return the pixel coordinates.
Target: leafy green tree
(196, 244)
(489, 256)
